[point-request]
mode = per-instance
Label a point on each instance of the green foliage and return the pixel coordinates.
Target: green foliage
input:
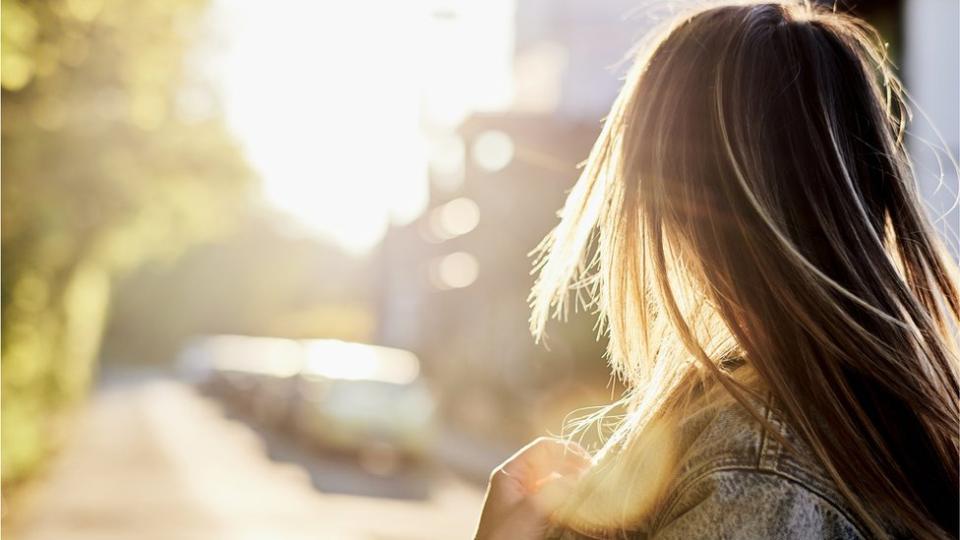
(107, 162)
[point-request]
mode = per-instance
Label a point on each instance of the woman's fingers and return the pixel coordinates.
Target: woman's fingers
(545, 457)
(529, 486)
(553, 492)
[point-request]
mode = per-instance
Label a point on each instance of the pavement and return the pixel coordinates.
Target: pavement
(150, 458)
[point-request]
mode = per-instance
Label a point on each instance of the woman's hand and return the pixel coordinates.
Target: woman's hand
(528, 487)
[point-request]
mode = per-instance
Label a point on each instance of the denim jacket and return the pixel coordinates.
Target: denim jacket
(737, 481)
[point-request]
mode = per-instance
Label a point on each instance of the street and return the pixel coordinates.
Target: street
(150, 458)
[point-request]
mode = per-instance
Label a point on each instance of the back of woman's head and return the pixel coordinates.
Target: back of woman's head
(750, 196)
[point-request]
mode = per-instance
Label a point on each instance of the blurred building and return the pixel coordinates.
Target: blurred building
(456, 280)
(570, 55)
(931, 70)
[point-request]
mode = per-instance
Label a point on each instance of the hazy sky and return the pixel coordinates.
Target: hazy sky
(327, 99)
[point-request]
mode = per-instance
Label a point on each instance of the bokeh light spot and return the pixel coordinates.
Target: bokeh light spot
(493, 150)
(455, 271)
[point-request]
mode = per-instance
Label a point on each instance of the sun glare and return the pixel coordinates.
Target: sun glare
(327, 100)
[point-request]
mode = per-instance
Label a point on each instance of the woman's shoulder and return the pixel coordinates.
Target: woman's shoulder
(743, 476)
(730, 437)
(732, 475)
(745, 503)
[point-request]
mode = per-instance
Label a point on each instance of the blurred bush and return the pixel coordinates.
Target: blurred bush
(111, 155)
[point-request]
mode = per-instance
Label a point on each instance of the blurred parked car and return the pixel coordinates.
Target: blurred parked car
(350, 397)
(364, 399)
(255, 374)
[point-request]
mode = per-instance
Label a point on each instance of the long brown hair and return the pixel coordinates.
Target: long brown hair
(750, 196)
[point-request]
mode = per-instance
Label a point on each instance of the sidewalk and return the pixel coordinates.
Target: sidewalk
(151, 459)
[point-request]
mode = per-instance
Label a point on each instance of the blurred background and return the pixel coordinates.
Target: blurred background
(265, 265)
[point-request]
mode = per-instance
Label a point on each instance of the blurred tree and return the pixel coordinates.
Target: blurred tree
(264, 278)
(111, 155)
